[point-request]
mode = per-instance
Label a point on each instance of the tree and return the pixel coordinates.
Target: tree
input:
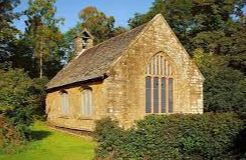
(100, 26)
(119, 30)
(43, 34)
(19, 98)
(97, 23)
(8, 32)
(207, 24)
(237, 50)
(69, 39)
(224, 87)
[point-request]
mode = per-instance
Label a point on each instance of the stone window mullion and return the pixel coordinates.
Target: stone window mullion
(159, 95)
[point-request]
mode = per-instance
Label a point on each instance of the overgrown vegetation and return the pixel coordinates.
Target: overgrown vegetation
(20, 98)
(206, 136)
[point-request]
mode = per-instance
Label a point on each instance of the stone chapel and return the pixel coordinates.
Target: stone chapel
(140, 72)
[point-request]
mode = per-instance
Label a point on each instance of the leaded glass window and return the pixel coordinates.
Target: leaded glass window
(159, 85)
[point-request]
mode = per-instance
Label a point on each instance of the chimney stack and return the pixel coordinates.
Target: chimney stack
(78, 44)
(83, 41)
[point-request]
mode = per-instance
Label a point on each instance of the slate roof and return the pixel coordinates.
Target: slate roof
(94, 62)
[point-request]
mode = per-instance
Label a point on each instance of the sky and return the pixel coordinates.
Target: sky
(122, 10)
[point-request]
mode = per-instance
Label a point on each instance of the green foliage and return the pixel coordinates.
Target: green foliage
(113, 140)
(45, 39)
(97, 23)
(204, 136)
(40, 50)
(101, 26)
(7, 31)
(213, 31)
(237, 48)
(10, 138)
(69, 39)
(210, 24)
(19, 99)
(39, 91)
(224, 87)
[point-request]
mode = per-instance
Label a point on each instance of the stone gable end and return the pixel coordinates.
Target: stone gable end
(127, 74)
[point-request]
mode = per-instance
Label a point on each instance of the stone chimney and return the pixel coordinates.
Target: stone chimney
(78, 44)
(83, 41)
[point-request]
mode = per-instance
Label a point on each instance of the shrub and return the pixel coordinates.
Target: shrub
(19, 99)
(109, 135)
(204, 136)
(10, 138)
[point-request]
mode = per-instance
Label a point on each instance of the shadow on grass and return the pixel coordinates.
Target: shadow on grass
(239, 148)
(39, 135)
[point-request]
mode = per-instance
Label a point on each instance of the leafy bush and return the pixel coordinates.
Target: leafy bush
(9, 137)
(19, 99)
(204, 136)
(109, 135)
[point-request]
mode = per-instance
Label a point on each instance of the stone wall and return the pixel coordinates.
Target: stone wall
(75, 119)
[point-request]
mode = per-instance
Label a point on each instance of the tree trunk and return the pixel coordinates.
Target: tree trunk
(41, 65)
(41, 59)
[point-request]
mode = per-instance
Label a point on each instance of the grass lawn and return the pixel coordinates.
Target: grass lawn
(53, 145)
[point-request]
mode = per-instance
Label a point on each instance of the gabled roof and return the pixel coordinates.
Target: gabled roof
(87, 33)
(94, 62)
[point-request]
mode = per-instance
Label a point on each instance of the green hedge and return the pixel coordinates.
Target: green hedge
(206, 136)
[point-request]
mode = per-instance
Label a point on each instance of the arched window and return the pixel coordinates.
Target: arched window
(86, 105)
(64, 102)
(159, 86)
